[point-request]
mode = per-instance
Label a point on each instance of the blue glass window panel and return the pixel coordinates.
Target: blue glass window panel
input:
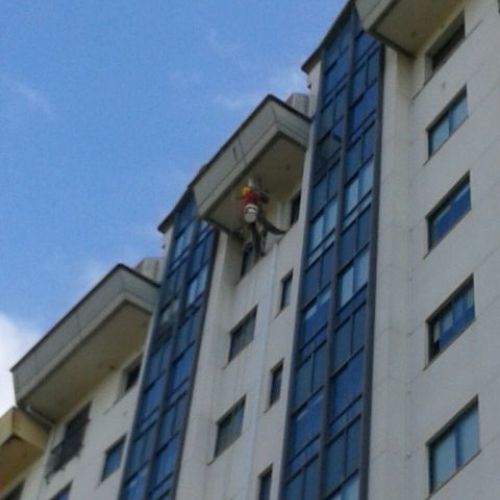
(452, 320)
(353, 448)
(164, 462)
(140, 449)
(458, 114)
(294, 488)
(306, 424)
(181, 368)
(315, 316)
(113, 459)
(361, 269)
(342, 345)
(349, 491)
(335, 73)
(468, 436)
(134, 487)
(451, 119)
(319, 195)
(443, 460)
(362, 44)
(346, 285)
(335, 457)
(454, 448)
(152, 397)
(448, 213)
(373, 67)
(347, 385)
(309, 376)
(359, 328)
(311, 483)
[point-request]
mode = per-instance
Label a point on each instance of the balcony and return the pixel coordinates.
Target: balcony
(22, 441)
(95, 338)
(404, 24)
(268, 147)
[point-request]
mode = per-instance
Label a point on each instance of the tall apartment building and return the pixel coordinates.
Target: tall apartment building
(352, 355)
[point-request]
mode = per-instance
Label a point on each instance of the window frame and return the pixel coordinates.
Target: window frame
(276, 376)
(445, 116)
(447, 201)
(434, 318)
(286, 291)
(265, 475)
(134, 366)
(240, 330)
(234, 434)
(453, 427)
(63, 491)
(446, 44)
(119, 443)
(295, 201)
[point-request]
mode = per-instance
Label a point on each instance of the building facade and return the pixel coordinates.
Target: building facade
(340, 345)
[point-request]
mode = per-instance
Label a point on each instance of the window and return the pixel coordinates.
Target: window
(354, 278)
(451, 319)
(15, 494)
(247, 258)
(229, 427)
(113, 459)
(72, 441)
(286, 290)
(265, 482)
(454, 447)
(452, 117)
(275, 387)
(449, 212)
(294, 209)
(63, 494)
(447, 44)
(242, 335)
(131, 375)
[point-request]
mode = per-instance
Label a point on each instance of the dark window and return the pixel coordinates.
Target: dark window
(452, 117)
(294, 209)
(15, 494)
(242, 335)
(63, 494)
(342, 455)
(247, 258)
(113, 459)
(449, 212)
(72, 441)
(265, 482)
(457, 313)
(454, 447)
(275, 388)
(131, 375)
(229, 427)
(447, 43)
(286, 290)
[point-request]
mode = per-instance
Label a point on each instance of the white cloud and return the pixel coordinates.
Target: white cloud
(35, 99)
(221, 48)
(16, 338)
(23, 96)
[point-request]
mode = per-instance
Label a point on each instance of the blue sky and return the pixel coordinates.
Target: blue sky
(106, 111)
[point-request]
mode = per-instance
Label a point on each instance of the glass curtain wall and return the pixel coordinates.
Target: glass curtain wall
(153, 457)
(328, 403)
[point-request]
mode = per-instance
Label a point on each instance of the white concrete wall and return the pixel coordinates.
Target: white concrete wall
(110, 418)
(413, 399)
(233, 475)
